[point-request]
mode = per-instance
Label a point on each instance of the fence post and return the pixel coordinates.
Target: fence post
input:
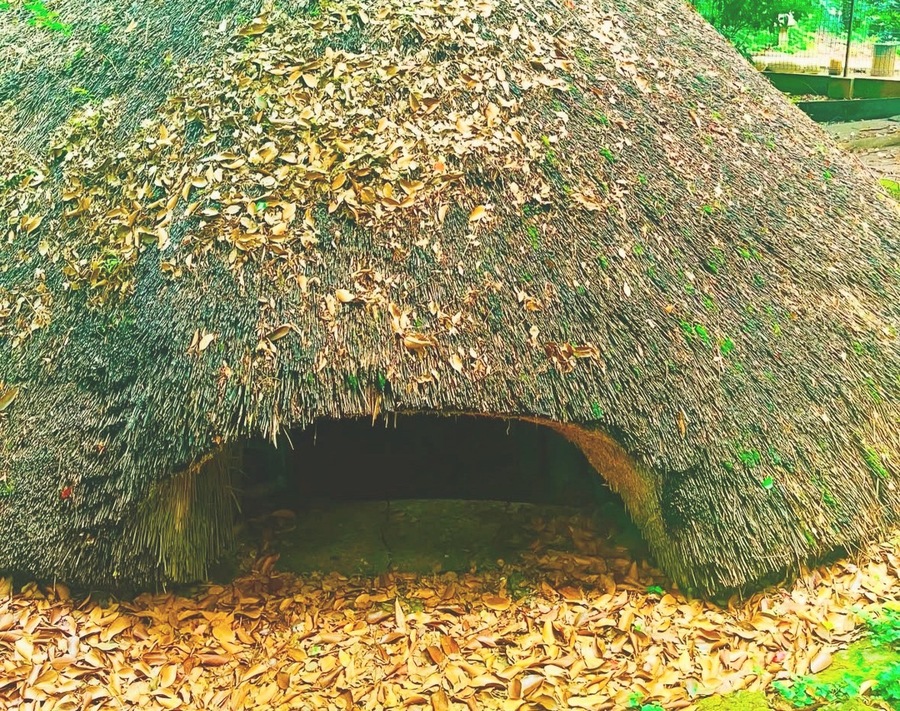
(849, 39)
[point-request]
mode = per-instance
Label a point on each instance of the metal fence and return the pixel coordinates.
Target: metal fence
(840, 37)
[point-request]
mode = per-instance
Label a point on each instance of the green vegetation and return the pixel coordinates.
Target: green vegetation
(864, 676)
(583, 57)
(749, 457)
(635, 703)
(875, 658)
(39, 15)
(696, 330)
(753, 26)
(111, 263)
(702, 333)
(885, 632)
(739, 701)
(873, 459)
(873, 390)
(805, 692)
(314, 9)
(518, 586)
(892, 186)
(885, 629)
(887, 685)
(716, 262)
(843, 685)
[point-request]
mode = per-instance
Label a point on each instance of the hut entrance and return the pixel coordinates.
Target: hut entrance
(424, 457)
(423, 494)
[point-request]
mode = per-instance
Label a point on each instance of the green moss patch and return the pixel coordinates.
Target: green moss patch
(738, 701)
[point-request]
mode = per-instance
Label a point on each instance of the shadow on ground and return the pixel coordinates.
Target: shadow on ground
(432, 536)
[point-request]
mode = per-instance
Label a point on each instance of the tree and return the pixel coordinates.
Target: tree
(732, 17)
(884, 19)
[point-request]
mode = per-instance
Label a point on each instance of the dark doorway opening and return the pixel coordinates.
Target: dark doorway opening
(425, 457)
(424, 494)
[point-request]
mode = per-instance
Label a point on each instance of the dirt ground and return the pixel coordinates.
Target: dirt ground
(875, 143)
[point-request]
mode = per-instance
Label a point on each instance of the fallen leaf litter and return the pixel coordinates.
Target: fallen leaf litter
(587, 629)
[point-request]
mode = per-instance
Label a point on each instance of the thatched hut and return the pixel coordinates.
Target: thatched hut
(223, 220)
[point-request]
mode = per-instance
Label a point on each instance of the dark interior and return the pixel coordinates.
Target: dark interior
(423, 457)
(425, 494)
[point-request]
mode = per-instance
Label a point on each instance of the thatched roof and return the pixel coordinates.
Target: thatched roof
(598, 217)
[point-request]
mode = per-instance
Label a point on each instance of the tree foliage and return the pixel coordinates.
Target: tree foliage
(732, 17)
(884, 19)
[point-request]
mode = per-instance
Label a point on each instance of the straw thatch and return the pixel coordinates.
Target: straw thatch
(223, 219)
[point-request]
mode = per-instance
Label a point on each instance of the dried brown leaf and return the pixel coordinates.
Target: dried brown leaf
(280, 332)
(820, 662)
(7, 398)
(440, 701)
